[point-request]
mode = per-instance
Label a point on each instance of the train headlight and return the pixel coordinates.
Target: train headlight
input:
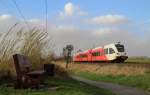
(125, 53)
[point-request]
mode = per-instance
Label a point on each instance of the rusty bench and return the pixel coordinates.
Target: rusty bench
(26, 77)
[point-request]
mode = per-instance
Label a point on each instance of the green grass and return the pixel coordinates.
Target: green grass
(138, 60)
(138, 81)
(67, 87)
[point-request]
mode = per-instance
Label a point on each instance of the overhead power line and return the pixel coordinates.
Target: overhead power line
(46, 17)
(21, 14)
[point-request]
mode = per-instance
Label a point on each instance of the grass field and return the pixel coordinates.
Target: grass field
(137, 81)
(133, 75)
(138, 60)
(66, 87)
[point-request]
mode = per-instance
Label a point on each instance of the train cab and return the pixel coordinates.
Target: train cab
(115, 52)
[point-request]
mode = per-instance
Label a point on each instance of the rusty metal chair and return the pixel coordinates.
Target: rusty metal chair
(26, 77)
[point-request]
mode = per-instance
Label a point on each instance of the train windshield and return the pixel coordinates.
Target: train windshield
(120, 48)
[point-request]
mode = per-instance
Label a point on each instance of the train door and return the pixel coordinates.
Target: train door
(111, 54)
(89, 55)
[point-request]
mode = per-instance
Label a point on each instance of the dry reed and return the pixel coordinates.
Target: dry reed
(29, 43)
(110, 69)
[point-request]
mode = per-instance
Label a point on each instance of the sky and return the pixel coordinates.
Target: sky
(86, 23)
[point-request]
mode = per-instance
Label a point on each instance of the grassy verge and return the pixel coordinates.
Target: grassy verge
(138, 81)
(67, 87)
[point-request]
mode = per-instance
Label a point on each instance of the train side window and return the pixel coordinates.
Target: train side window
(83, 56)
(96, 54)
(92, 54)
(111, 51)
(106, 51)
(99, 53)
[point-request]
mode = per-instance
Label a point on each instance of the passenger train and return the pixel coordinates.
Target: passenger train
(114, 52)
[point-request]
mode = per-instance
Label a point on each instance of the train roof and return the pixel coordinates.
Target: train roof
(97, 48)
(82, 52)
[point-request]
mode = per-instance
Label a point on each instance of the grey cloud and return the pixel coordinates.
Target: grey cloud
(110, 19)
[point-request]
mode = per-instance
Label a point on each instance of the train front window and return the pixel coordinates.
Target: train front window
(111, 51)
(120, 48)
